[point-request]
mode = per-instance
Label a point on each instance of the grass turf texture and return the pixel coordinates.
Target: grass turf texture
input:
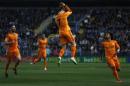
(83, 74)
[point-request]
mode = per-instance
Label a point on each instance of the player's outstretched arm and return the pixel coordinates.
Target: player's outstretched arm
(117, 47)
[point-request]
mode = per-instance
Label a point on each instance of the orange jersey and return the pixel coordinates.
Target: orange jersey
(12, 37)
(110, 48)
(62, 22)
(42, 43)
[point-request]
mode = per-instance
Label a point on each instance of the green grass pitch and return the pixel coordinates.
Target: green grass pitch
(68, 74)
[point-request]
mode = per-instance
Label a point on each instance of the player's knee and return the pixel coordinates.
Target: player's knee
(44, 58)
(19, 58)
(73, 44)
(113, 68)
(63, 46)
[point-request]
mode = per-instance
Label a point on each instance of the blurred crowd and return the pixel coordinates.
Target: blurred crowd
(88, 24)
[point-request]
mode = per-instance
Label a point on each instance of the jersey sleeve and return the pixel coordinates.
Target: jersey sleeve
(68, 13)
(46, 41)
(17, 36)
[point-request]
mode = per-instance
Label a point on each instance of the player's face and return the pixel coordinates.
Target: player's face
(107, 36)
(13, 29)
(42, 37)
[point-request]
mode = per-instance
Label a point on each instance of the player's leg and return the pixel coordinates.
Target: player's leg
(7, 66)
(117, 64)
(61, 53)
(73, 52)
(113, 67)
(18, 56)
(15, 67)
(37, 59)
(45, 60)
(9, 56)
(45, 64)
(71, 39)
(63, 47)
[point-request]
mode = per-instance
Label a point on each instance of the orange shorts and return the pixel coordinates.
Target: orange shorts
(41, 53)
(113, 62)
(12, 54)
(66, 37)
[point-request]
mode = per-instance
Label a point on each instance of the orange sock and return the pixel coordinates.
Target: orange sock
(61, 52)
(115, 73)
(73, 51)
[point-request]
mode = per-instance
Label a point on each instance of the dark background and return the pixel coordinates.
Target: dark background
(53, 3)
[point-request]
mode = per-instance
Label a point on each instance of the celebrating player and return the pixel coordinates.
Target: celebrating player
(42, 44)
(65, 33)
(111, 48)
(12, 50)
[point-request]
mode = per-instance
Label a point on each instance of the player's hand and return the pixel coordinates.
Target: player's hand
(62, 4)
(118, 50)
(54, 16)
(8, 43)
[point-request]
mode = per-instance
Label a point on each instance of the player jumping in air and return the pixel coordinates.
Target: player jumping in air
(12, 50)
(42, 44)
(111, 48)
(65, 33)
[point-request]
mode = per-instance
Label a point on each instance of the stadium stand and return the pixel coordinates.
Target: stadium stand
(88, 24)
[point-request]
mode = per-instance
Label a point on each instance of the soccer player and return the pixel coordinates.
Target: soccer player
(111, 48)
(65, 33)
(12, 50)
(42, 44)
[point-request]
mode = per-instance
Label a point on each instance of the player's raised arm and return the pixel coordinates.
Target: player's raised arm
(65, 7)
